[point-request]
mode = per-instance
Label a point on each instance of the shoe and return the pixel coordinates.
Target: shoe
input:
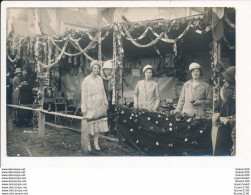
(89, 148)
(97, 147)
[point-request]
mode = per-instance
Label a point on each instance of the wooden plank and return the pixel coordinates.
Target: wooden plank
(9, 116)
(84, 136)
(41, 124)
(22, 107)
(64, 115)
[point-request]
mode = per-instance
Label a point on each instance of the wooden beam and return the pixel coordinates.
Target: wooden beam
(9, 116)
(41, 124)
(84, 136)
(63, 115)
(22, 107)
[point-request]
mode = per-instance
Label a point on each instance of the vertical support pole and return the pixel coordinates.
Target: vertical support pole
(114, 98)
(49, 50)
(10, 113)
(41, 124)
(99, 37)
(41, 118)
(84, 136)
(216, 91)
(121, 85)
(214, 67)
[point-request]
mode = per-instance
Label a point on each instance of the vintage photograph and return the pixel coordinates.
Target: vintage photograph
(120, 81)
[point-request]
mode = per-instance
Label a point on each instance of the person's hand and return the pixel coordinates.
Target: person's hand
(175, 112)
(197, 102)
(215, 119)
(154, 109)
(224, 120)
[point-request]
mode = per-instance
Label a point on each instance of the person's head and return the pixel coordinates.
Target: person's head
(195, 70)
(229, 76)
(107, 68)
(18, 72)
(25, 70)
(148, 71)
(95, 67)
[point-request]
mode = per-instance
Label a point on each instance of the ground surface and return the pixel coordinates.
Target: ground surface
(58, 142)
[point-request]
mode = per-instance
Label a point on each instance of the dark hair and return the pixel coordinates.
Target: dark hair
(151, 70)
(96, 65)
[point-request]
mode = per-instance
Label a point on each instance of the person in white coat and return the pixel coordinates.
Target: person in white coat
(195, 95)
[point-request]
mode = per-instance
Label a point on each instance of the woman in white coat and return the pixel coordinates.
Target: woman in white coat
(195, 95)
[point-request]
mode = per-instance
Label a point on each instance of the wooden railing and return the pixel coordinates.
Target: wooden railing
(42, 123)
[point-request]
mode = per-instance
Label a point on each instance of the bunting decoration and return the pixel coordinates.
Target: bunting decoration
(228, 21)
(217, 23)
(12, 60)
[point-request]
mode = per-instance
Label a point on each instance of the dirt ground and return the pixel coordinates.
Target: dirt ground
(59, 142)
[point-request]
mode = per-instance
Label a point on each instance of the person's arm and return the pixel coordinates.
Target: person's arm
(136, 94)
(181, 101)
(15, 84)
(208, 94)
(157, 97)
(208, 97)
(230, 119)
(104, 93)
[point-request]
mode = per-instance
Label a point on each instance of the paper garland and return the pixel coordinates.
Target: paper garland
(228, 21)
(12, 59)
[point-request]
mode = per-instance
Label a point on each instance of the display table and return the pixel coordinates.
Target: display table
(164, 133)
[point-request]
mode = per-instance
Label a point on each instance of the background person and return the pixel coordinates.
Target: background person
(94, 103)
(106, 74)
(146, 94)
(25, 96)
(195, 95)
(226, 134)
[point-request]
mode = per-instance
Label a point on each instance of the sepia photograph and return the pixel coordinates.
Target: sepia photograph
(120, 81)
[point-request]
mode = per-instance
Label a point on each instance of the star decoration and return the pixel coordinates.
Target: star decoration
(157, 143)
(186, 140)
(131, 130)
